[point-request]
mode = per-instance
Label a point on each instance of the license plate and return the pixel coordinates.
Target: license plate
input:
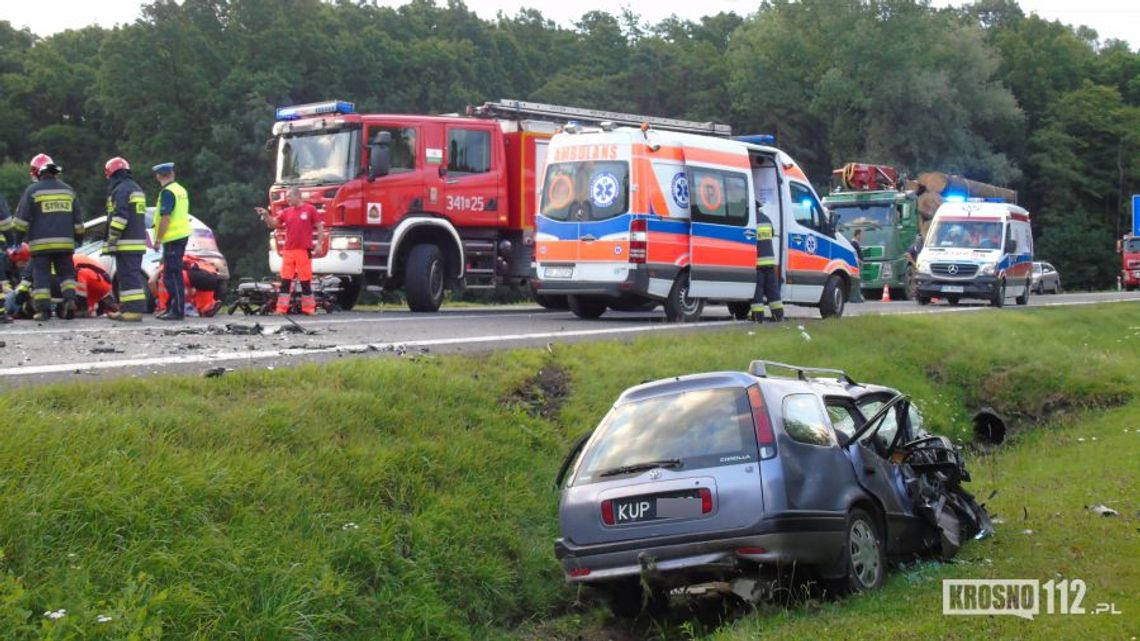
(649, 509)
(953, 289)
(559, 272)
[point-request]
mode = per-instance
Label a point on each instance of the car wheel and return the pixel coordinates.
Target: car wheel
(587, 307)
(953, 300)
(998, 298)
(834, 299)
(922, 300)
(423, 278)
(680, 307)
(1023, 299)
(740, 310)
(866, 561)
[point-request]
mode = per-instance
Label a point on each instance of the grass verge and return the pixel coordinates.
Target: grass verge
(401, 499)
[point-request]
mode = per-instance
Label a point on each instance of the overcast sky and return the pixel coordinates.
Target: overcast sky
(1110, 18)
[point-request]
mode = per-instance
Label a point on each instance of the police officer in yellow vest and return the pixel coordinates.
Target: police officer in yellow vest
(172, 229)
(767, 296)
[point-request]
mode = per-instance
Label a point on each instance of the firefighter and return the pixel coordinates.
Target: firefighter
(172, 230)
(298, 221)
(126, 238)
(6, 236)
(48, 214)
(767, 296)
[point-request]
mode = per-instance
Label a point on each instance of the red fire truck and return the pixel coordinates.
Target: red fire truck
(423, 203)
(1129, 250)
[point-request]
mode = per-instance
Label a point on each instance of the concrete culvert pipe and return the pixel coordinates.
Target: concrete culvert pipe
(989, 427)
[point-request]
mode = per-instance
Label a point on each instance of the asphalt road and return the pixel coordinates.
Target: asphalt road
(84, 349)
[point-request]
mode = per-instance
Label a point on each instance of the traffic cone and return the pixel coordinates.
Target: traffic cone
(886, 294)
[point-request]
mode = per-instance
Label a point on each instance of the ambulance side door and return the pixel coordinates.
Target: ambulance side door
(722, 249)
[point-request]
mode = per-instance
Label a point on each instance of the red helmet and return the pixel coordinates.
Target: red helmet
(115, 164)
(21, 254)
(43, 162)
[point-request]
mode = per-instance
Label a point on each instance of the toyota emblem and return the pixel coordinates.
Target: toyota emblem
(953, 269)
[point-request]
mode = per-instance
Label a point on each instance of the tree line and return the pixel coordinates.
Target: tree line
(985, 91)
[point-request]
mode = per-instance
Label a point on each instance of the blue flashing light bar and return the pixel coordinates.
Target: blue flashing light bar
(296, 112)
(757, 139)
(995, 200)
(955, 198)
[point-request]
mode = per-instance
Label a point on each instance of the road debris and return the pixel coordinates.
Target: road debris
(106, 350)
(215, 372)
(1102, 510)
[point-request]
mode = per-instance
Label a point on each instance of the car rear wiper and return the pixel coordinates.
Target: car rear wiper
(641, 467)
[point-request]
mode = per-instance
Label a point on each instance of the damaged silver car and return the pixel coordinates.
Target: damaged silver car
(719, 478)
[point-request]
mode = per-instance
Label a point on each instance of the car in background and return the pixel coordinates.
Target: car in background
(1046, 278)
(202, 244)
(720, 479)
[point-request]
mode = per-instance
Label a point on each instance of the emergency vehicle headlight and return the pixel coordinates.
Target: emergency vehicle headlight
(923, 267)
(988, 270)
(342, 243)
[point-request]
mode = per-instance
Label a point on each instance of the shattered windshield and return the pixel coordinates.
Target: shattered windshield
(318, 157)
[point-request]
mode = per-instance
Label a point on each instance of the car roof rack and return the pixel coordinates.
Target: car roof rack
(760, 368)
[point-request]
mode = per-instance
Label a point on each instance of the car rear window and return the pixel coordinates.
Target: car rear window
(701, 428)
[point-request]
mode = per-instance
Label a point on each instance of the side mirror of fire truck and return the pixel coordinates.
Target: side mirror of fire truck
(379, 155)
(1119, 246)
(270, 145)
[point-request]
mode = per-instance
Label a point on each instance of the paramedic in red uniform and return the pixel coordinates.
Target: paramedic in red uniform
(299, 220)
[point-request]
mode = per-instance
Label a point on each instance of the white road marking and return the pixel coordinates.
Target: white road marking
(62, 368)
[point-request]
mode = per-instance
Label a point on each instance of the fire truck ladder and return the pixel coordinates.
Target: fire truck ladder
(518, 109)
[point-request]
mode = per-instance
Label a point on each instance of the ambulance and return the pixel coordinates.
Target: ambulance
(632, 216)
(976, 248)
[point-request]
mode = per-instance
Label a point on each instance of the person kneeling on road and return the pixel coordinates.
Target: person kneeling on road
(298, 221)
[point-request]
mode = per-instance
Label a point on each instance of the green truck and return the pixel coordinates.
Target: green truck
(867, 197)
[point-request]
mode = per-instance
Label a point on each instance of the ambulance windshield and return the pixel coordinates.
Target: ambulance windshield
(966, 234)
(319, 157)
(585, 191)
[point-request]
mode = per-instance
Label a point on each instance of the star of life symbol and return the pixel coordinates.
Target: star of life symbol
(809, 244)
(680, 189)
(604, 190)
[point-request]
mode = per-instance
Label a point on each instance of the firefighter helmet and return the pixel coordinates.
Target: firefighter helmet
(42, 163)
(115, 164)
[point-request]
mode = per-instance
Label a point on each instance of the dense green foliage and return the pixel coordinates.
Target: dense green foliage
(263, 506)
(985, 91)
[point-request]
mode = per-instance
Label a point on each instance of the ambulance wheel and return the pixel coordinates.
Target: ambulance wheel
(953, 300)
(551, 302)
(834, 299)
(1024, 298)
(998, 297)
(423, 278)
(679, 306)
(922, 300)
(349, 292)
(740, 309)
(587, 307)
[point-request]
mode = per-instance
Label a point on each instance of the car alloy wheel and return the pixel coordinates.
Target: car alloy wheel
(863, 546)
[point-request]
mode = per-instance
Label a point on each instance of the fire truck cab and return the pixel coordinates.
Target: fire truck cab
(631, 216)
(419, 203)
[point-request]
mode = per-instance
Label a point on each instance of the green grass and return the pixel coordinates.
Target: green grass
(400, 499)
